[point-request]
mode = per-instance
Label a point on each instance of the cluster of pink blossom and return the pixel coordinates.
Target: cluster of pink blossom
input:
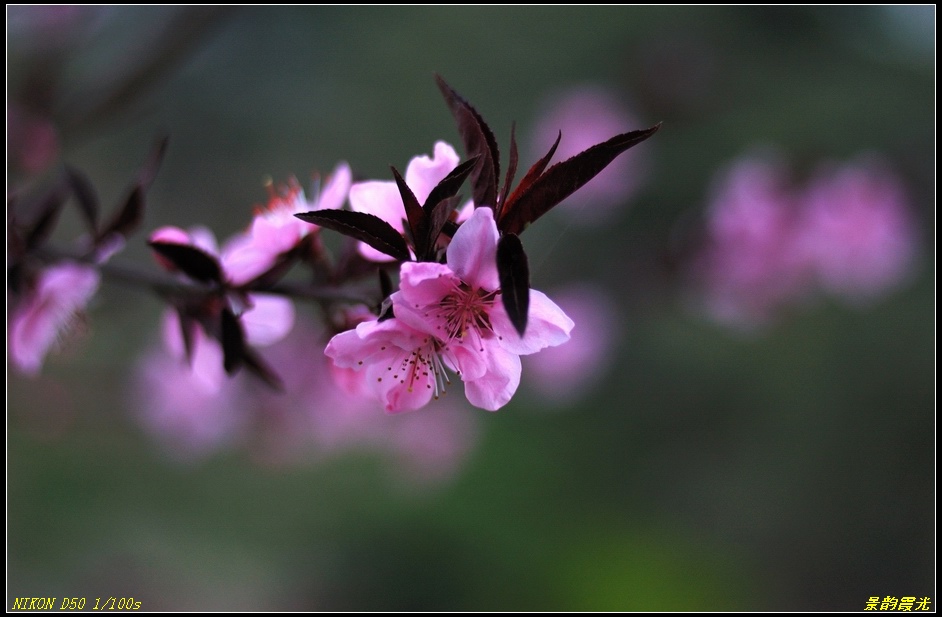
(849, 232)
(314, 415)
(453, 301)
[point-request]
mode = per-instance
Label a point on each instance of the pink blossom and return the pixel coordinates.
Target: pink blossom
(47, 311)
(562, 374)
(187, 403)
(450, 317)
(382, 198)
(266, 318)
(398, 365)
(769, 245)
(751, 264)
(314, 417)
(275, 230)
(431, 447)
(586, 116)
(858, 230)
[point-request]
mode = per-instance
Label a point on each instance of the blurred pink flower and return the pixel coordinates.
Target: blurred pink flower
(768, 245)
(562, 374)
(188, 404)
(46, 312)
(266, 318)
(751, 263)
(431, 447)
(588, 115)
(382, 199)
(275, 230)
(858, 230)
(316, 417)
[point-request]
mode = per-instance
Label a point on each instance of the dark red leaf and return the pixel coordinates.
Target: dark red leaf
(148, 171)
(478, 140)
(511, 168)
(233, 341)
(129, 217)
(450, 228)
(258, 367)
(450, 184)
(385, 283)
(514, 274)
(364, 227)
(437, 221)
(48, 208)
(415, 215)
(43, 226)
(563, 179)
(531, 176)
(188, 327)
(440, 203)
(193, 262)
(86, 196)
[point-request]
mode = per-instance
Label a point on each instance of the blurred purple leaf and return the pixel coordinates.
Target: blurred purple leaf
(86, 196)
(195, 263)
(233, 341)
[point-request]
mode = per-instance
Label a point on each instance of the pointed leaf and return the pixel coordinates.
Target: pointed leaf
(415, 215)
(233, 341)
(511, 169)
(514, 273)
(86, 196)
(437, 221)
(450, 228)
(385, 283)
(195, 263)
(187, 330)
(48, 207)
(532, 174)
(148, 171)
(450, 184)
(258, 367)
(386, 310)
(478, 139)
(364, 227)
(43, 226)
(563, 179)
(129, 217)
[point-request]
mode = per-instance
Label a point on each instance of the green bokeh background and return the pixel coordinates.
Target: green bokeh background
(788, 469)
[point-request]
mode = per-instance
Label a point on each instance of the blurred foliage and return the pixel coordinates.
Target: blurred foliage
(791, 469)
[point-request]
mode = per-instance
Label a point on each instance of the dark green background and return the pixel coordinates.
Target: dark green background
(792, 469)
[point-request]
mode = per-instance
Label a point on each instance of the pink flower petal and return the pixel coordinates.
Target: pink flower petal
(269, 320)
(498, 385)
(335, 190)
(547, 326)
(60, 292)
(422, 284)
(424, 173)
(472, 254)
